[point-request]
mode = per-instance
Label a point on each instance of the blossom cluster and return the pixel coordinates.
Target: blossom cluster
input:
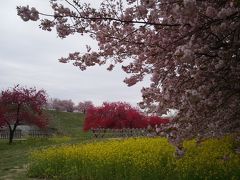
(28, 14)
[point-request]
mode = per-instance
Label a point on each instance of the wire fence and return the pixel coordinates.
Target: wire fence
(4, 134)
(115, 133)
(18, 134)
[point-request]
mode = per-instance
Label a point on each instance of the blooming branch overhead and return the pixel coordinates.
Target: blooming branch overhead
(191, 49)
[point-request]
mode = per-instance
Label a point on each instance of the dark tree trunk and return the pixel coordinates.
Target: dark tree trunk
(12, 129)
(11, 134)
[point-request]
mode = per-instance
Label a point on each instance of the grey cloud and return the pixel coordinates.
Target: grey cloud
(29, 56)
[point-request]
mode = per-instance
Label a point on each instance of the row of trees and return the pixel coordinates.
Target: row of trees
(21, 105)
(119, 115)
(68, 105)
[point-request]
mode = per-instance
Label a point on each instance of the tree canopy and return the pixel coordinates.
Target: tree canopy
(191, 49)
(22, 105)
(61, 105)
(119, 115)
(84, 106)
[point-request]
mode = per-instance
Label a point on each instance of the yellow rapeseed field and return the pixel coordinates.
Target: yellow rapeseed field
(137, 158)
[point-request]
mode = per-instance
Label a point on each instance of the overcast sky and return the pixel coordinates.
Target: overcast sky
(29, 57)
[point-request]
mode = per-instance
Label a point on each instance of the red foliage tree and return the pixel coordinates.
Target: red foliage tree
(84, 106)
(22, 105)
(114, 115)
(155, 120)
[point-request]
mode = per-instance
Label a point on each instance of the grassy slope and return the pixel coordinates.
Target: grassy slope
(14, 157)
(69, 124)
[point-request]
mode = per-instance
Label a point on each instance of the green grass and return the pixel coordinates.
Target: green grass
(69, 124)
(14, 158)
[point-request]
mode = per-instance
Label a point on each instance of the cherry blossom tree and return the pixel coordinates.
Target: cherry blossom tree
(57, 105)
(22, 105)
(191, 49)
(62, 105)
(84, 106)
(69, 105)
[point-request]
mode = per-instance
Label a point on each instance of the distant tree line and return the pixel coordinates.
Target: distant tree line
(68, 105)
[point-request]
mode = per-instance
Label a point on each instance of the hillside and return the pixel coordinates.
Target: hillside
(68, 123)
